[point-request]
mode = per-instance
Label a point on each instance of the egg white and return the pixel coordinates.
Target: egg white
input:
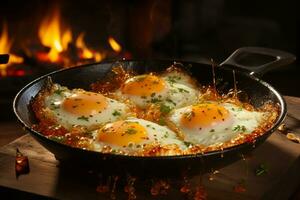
(178, 92)
(239, 121)
(158, 135)
(114, 111)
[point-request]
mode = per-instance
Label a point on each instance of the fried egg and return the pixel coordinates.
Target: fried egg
(134, 134)
(170, 89)
(79, 107)
(214, 123)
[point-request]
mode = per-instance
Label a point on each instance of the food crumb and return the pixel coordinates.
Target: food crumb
(293, 137)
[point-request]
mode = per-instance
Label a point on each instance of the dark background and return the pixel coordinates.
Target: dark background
(192, 30)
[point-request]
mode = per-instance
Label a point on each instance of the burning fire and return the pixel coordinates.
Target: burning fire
(52, 36)
(5, 46)
(87, 53)
(63, 47)
(114, 44)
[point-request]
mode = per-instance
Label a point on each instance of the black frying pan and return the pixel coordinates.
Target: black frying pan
(257, 91)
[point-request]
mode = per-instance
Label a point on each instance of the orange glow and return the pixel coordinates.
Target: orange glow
(87, 53)
(5, 43)
(114, 44)
(5, 46)
(52, 36)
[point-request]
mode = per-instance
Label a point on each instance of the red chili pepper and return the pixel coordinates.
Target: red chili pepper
(22, 164)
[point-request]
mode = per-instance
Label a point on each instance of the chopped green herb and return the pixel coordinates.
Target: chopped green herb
(173, 79)
(58, 92)
(130, 145)
(261, 170)
(162, 121)
(155, 100)
(165, 109)
(183, 90)
(113, 151)
(83, 118)
(130, 131)
(173, 91)
(54, 106)
(170, 101)
(212, 130)
(60, 139)
(116, 113)
(166, 135)
(239, 128)
(187, 144)
(153, 94)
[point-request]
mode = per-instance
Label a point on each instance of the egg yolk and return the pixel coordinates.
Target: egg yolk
(85, 103)
(204, 115)
(143, 85)
(122, 133)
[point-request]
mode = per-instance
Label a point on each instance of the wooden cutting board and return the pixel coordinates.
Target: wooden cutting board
(278, 154)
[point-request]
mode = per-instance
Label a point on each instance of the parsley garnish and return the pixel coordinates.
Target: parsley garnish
(169, 100)
(166, 135)
(262, 169)
(162, 121)
(54, 106)
(83, 118)
(183, 90)
(58, 91)
(116, 113)
(165, 109)
(173, 79)
(57, 138)
(155, 100)
(239, 128)
(130, 131)
(187, 144)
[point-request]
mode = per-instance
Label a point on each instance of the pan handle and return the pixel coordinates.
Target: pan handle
(258, 60)
(4, 58)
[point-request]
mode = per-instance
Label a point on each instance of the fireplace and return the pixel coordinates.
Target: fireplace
(41, 37)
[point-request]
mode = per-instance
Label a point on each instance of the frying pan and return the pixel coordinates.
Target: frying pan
(257, 92)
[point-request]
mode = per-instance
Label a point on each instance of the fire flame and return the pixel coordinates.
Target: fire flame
(5, 46)
(51, 36)
(5, 43)
(114, 44)
(87, 53)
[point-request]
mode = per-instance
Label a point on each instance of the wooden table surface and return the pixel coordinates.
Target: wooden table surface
(48, 179)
